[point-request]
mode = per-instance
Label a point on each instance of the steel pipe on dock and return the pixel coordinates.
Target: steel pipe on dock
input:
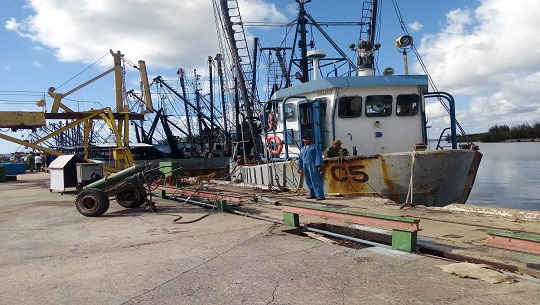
(119, 176)
(336, 235)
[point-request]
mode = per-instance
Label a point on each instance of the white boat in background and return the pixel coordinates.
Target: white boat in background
(380, 119)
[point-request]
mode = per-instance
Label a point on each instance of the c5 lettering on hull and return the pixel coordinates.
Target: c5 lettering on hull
(354, 172)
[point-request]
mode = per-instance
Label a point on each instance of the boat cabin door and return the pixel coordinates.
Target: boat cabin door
(311, 120)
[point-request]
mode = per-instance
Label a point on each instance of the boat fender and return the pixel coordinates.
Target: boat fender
(277, 141)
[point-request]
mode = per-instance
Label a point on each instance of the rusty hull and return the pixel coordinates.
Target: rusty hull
(440, 177)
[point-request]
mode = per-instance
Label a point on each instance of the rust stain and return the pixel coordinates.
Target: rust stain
(346, 176)
(426, 190)
(388, 181)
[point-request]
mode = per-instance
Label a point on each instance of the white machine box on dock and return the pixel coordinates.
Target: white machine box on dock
(89, 172)
(63, 171)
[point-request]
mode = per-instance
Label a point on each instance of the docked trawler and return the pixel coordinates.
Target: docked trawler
(381, 121)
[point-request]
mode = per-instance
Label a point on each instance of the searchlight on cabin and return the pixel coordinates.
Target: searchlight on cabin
(404, 44)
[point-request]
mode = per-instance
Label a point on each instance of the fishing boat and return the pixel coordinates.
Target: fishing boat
(103, 135)
(381, 121)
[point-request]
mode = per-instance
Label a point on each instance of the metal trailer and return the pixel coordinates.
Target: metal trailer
(129, 187)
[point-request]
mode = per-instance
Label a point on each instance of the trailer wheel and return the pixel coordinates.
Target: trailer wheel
(131, 198)
(92, 202)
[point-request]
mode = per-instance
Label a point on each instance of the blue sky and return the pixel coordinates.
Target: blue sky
(485, 53)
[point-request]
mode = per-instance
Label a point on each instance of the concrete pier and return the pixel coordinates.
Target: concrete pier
(51, 254)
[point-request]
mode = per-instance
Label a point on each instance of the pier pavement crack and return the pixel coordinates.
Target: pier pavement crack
(298, 251)
(197, 266)
(345, 284)
(188, 236)
(11, 298)
(273, 293)
(27, 230)
(411, 261)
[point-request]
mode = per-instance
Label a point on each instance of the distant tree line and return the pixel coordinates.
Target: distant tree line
(500, 133)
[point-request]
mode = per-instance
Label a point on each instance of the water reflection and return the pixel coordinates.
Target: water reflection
(508, 176)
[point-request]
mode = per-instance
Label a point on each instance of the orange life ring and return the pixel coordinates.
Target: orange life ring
(271, 121)
(279, 143)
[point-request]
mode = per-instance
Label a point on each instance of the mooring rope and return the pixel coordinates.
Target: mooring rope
(409, 200)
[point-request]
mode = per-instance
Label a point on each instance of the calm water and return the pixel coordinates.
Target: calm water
(509, 176)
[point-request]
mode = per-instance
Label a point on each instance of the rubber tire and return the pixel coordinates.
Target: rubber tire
(92, 202)
(132, 198)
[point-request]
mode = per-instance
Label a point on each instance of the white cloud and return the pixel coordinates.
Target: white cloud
(415, 26)
(12, 25)
(36, 64)
(259, 10)
(163, 33)
(493, 54)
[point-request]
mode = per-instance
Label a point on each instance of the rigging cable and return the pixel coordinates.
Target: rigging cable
(83, 70)
(378, 35)
(424, 68)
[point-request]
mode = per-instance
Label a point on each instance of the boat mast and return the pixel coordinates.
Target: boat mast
(198, 105)
(300, 39)
(211, 97)
(219, 59)
(373, 22)
(301, 63)
(183, 86)
(366, 47)
(302, 43)
(254, 68)
(239, 73)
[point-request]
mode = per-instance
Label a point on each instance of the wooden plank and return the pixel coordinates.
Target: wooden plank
(514, 241)
(358, 218)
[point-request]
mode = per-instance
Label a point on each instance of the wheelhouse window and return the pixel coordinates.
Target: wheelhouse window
(290, 114)
(306, 114)
(407, 104)
(378, 105)
(350, 106)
